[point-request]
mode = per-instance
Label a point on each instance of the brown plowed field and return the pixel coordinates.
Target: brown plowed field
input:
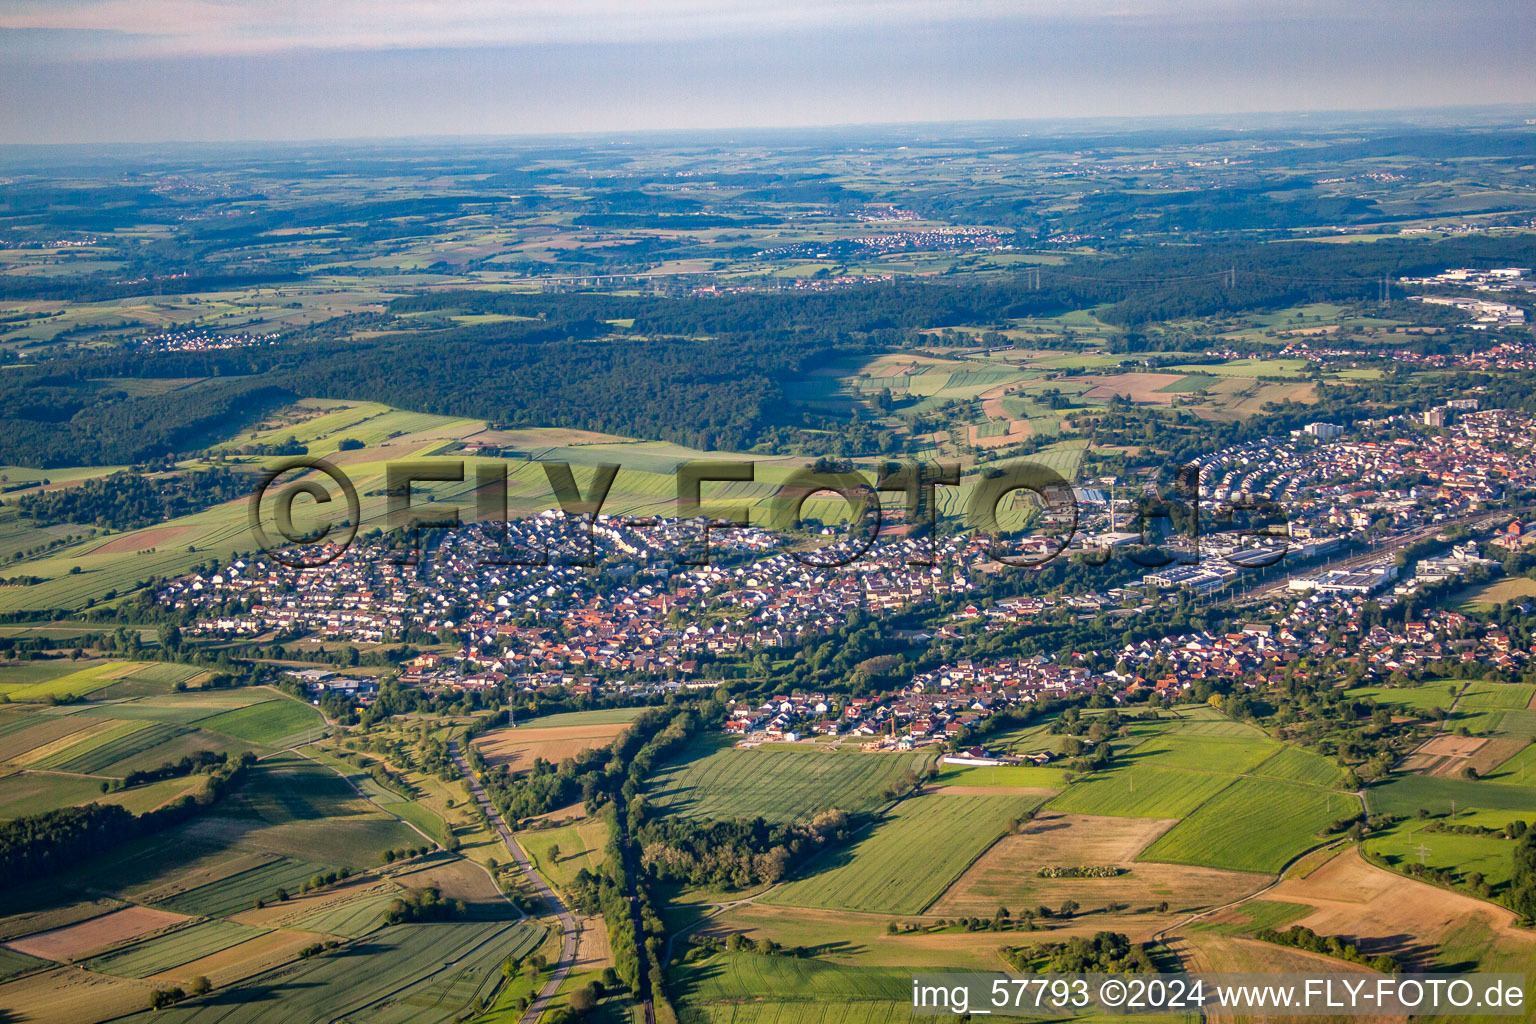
(76, 940)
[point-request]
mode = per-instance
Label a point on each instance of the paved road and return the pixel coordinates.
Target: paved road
(567, 922)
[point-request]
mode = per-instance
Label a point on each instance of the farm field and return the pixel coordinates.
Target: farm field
(777, 782)
(178, 708)
(241, 891)
(582, 845)
(15, 675)
(273, 723)
(151, 956)
(99, 752)
(1008, 873)
(748, 977)
(1294, 764)
(1483, 598)
(1140, 792)
(1484, 693)
(74, 941)
(1253, 825)
(78, 683)
(240, 961)
(1519, 770)
(519, 747)
(1417, 698)
(1007, 776)
(420, 974)
(61, 914)
(62, 678)
(1407, 843)
(351, 918)
(13, 964)
(25, 793)
(1405, 794)
(1424, 926)
(603, 716)
(907, 860)
(69, 995)
(295, 808)
(1175, 750)
(29, 730)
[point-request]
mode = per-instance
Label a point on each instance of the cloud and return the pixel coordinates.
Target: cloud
(230, 27)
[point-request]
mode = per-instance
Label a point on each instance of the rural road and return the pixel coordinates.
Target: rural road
(567, 922)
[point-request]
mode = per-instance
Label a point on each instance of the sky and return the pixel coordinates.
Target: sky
(228, 70)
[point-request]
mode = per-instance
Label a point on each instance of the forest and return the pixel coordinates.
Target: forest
(709, 372)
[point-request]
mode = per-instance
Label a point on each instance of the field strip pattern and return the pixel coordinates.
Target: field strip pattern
(404, 964)
(102, 751)
(241, 891)
(909, 859)
(777, 785)
(163, 952)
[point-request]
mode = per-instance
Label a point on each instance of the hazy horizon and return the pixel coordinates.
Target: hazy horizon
(107, 71)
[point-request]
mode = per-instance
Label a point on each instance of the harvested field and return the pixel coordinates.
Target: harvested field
(457, 879)
(840, 937)
(351, 908)
(1141, 388)
(1495, 752)
(1444, 756)
(163, 952)
(72, 995)
(1007, 874)
(518, 748)
(140, 540)
(1001, 434)
(32, 922)
(239, 961)
(1383, 912)
(80, 940)
(592, 952)
(1212, 952)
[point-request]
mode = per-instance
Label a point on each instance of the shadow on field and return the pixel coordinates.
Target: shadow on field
(280, 989)
(839, 948)
(1411, 951)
